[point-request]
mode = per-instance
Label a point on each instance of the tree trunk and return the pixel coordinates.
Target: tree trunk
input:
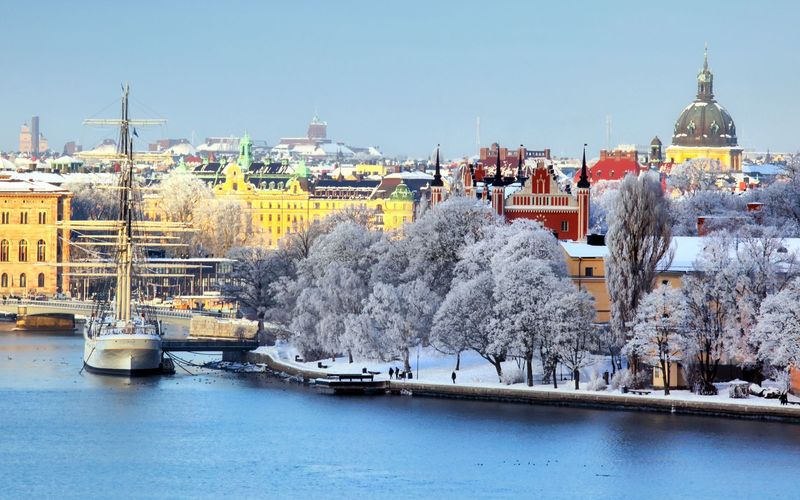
(350, 355)
(665, 369)
(555, 375)
(458, 360)
(529, 368)
(498, 367)
(576, 374)
(406, 364)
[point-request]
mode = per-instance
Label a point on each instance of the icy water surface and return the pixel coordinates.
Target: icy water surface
(212, 434)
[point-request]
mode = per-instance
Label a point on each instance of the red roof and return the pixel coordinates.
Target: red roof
(611, 168)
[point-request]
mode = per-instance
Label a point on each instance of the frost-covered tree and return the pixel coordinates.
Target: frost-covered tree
(220, 225)
(400, 317)
(466, 320)
(527, 293)
(92, 201)
(638, 240)
(710, 296)
(180, 194)
(781, 200)
(576, 334)
(329, 291)
(726, 210)
(658, 330)
(433, 242)
(255, 271)
(694, 175)
(777, 334)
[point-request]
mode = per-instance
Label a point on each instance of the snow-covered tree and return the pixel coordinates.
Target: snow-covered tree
(638, 240)
(329, 290)
(220, 225)
(658, 330)
(401, 317)
(434, 241)
(710, 296)
(694, 175)
(777, 334)
(92, 201)
(180, 194)
(466, 321)
(255, 271)
(576, 334)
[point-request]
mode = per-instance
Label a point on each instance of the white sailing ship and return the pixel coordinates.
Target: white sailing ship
(117, 341)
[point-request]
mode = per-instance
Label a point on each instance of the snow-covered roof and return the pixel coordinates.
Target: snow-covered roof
(416, 174)
(686, 251)
(22, 186)
(182, 149)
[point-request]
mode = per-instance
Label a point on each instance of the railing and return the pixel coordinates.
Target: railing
(89, 306)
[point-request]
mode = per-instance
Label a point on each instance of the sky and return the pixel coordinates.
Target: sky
(403, 76)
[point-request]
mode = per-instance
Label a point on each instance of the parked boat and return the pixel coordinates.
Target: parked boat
(118, 342)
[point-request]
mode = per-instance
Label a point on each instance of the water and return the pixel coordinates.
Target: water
(65, 434)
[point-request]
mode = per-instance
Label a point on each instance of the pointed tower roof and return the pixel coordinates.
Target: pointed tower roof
(437, 177)
(583, 182)
(520, 162)
(498, 176)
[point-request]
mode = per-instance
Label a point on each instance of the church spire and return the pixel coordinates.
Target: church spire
(437, 177)
(498, 176)
(583, 182)
(520, 162)
(705, 80)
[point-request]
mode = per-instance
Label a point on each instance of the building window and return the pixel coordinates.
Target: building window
(40, 280)
(5, 217)
(4, 251)
(41, 251)
(665, 282)
(4, 281)
(23, 251)
(589, 271)
(564, 226)
(23, 217)
(23, 280)
(42, 217)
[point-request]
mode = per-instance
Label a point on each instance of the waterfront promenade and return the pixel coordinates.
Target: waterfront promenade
(751, 408)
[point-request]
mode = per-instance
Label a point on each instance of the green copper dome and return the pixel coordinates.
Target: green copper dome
(704, 123)
(401, 193)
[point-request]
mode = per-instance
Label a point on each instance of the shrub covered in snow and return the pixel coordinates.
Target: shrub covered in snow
(513, 376)
(628, 379)
(739, 390)
(596, 383)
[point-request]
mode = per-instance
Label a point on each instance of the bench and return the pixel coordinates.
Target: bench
(351, 377)
(639, 392)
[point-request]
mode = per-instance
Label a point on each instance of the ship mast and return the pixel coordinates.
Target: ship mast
(125, 234)
(125, 243)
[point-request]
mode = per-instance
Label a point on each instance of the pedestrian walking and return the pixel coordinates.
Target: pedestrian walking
(391, 373)
(453, 376)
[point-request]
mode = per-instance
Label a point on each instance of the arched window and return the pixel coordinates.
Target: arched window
(41, 251)
(4, 281)
(40, 280)
(23, 251)
(23, 280)
(4, 251)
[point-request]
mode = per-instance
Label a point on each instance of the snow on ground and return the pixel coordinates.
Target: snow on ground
(436, 368)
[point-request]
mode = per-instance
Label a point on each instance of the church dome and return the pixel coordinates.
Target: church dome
(704, 123)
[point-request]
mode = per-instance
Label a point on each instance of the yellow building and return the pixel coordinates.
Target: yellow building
(705, 129)
(277, 209)
(366, 169)
(34, 226)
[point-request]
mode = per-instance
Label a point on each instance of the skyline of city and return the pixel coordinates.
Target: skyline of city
(226, 73)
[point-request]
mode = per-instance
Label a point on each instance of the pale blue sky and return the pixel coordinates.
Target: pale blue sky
(402, 75)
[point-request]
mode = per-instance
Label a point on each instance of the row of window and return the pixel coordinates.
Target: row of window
(22, 249)
(22, 282)
(5, 217)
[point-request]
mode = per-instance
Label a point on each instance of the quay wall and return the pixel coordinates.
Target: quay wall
(601, 400)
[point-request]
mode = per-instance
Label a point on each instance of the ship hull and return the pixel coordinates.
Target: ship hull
(123, 354)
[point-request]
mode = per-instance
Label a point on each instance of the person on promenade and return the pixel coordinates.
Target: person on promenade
(453, 376)
(391, 373)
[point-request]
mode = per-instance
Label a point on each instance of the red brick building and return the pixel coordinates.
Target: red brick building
(527, 193)
(613, 166)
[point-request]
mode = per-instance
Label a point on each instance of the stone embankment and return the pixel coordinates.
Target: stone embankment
(584, 399)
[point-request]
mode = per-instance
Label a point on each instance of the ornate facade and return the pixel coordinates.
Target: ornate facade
(705, 129)
(34, 235)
